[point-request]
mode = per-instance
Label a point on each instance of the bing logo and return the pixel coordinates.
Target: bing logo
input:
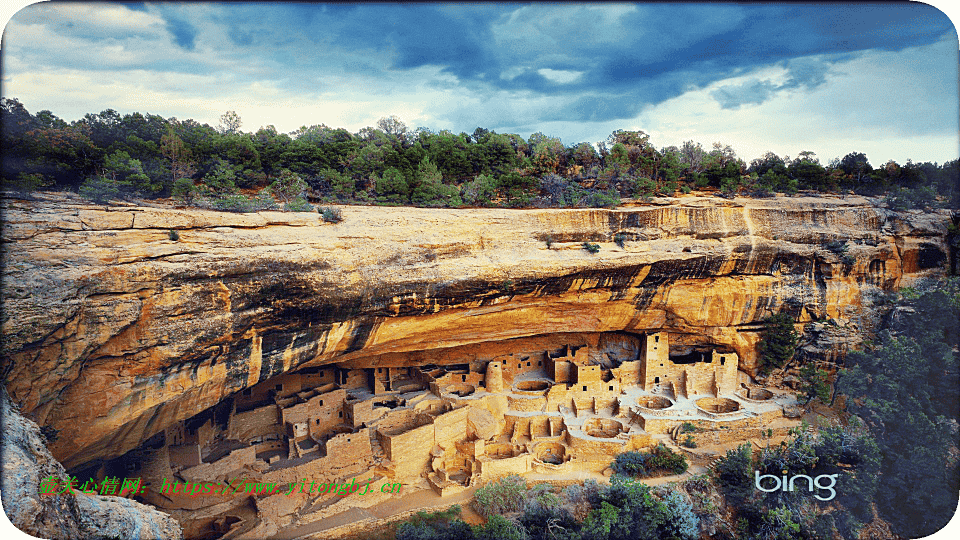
(782, 484)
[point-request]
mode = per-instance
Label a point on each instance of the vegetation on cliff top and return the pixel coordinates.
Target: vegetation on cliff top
(109, 155)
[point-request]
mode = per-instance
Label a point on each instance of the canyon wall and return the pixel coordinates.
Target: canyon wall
(115, 328)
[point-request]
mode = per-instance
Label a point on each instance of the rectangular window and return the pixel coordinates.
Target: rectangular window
(321, 403)
(463, 378)
(279, 387)
(340, 414)
(611, 389)
(584, 388)
(540, 362)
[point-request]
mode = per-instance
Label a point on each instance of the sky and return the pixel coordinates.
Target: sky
(881, 79)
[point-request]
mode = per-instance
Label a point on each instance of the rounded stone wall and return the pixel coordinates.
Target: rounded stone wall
(718, 405)
(461, 389)
(759, 394)
(654, 402)
(603, 428)
(533, 387)
(551, 452)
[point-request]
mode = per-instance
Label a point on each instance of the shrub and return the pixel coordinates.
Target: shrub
(620, 239)
(289, 187)
(298, 205)
(667, 460)
(480, 191)
(331, 214)
(603, 199)
(689, 442)
(24, 183)
(681, 521)
(592, 248)
(100, 189)
(499, 528)
(500, 497)
(183, 190)
(174, 235)
(630, 464)
(735, 473)
(687, 427)
(778, 342)
(264, 201)
(685, 189)
(236, 202)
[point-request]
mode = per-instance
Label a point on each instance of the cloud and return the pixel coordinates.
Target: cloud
(183, 32)
(582, 68)
(753, 92)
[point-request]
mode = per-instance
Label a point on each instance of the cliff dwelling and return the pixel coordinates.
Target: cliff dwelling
(560, 404)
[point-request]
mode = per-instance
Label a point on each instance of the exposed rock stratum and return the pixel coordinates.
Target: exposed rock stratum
(113, 330)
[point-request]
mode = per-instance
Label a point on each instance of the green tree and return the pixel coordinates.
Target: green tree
(814, 382)
(480, 191)
(904, 389)
(230, 123)
(392, 186)
(778, 342)
(288, 186)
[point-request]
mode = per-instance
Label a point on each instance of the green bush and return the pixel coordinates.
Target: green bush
(620, 239)
(630, 464)
(500, 497)
(174, 235)
(689, 442)
(592, 248)
(24, 183)
(666, 460)
(236, 202)
(183, 190)
(331, 214)
(99, 189)
(298, 205)
(777, 342)
(687, 427)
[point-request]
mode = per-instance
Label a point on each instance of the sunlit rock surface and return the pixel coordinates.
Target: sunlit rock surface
(113, 331)
(27, 462)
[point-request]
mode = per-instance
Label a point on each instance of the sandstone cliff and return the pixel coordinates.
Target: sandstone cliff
(113, 330)
(26, 461)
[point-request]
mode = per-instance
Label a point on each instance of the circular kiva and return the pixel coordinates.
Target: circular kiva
(537, 387)
(461, 389)
(654, 402)
(604, 428)
(718, 405)
(551, 452)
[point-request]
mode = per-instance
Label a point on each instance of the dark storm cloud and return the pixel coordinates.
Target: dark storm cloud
(592, 62)
(184, 33)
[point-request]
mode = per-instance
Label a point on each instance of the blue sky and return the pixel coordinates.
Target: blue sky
(831, 78)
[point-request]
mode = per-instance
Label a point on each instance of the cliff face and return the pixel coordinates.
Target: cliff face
(113, 330)
(26, 461)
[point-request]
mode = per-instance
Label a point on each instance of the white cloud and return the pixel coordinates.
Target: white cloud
(889, 105)
(562, 76)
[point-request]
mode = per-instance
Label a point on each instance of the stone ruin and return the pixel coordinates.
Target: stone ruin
(565, 409)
